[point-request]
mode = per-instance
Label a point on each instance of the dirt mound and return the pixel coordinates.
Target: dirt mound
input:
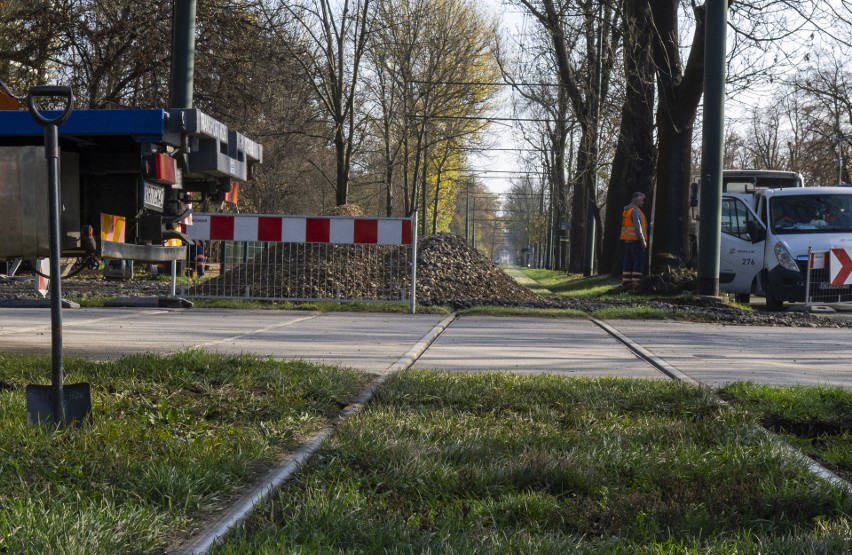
(351, 210)
(450, 272)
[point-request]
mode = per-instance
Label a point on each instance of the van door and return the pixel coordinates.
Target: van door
(740, 260)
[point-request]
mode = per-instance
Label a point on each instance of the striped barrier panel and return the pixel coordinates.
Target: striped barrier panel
(301, 258)
(300, 229)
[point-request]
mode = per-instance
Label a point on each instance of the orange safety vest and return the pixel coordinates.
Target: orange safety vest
(628, 230)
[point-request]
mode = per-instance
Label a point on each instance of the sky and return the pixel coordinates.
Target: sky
(496, 166)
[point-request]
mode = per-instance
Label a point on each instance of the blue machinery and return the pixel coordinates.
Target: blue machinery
(140, 165)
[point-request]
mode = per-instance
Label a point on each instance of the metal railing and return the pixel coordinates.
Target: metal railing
(331, 266)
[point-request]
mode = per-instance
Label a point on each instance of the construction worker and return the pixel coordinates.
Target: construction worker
(634, 233)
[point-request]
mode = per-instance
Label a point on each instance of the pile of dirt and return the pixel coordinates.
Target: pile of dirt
(349, 210)
(450, 272)
(314, 271)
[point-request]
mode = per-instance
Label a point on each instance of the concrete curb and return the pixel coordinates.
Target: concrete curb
(245, 505)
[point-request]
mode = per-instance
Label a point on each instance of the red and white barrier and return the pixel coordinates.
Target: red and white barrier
(300, 229)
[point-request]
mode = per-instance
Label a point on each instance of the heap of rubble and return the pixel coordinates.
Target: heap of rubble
(450, 272)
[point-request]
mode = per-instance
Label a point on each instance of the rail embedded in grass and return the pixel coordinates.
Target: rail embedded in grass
(816, 420)
(172, 441)
(501, 463)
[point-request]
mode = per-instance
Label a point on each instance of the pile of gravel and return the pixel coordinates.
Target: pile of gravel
(449, 272)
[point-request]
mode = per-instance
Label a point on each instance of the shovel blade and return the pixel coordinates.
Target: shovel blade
(77, 403)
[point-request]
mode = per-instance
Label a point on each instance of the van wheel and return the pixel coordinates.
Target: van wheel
(742, 298)
(773, 303)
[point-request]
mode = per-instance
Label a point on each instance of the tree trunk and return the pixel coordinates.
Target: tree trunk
(680, 89)
(342, 189)
(635, 154)
(583, 194)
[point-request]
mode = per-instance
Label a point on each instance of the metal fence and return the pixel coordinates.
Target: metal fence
(301, 258)
(825, 279)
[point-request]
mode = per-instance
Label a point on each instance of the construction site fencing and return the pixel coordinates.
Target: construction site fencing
(301, 258)
(828, 277)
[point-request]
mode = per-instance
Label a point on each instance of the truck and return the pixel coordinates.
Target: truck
(128, 178)
(771, 222)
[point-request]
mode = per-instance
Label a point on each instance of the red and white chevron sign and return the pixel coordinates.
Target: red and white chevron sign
(300, 229)
(840, 266)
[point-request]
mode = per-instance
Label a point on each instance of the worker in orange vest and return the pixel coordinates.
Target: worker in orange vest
(634, 233)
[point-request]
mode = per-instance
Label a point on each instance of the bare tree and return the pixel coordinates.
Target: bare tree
(593, 29)
(330, 52)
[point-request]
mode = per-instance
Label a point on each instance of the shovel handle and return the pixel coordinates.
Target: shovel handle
(50, 91)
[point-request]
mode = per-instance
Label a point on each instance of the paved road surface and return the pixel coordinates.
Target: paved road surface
(712, 354)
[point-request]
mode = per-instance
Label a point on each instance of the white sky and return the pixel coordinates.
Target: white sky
(497, 164)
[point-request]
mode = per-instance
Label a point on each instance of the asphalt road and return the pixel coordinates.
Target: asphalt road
(711, 354)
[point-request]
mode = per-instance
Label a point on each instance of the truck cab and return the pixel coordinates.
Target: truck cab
(767, 233)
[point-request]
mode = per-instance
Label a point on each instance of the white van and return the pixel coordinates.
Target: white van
(766, 234)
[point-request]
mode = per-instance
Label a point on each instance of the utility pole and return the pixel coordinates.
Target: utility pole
(710, 222)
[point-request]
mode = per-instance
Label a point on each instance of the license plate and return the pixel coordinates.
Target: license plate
(828, 286)
(155, 197)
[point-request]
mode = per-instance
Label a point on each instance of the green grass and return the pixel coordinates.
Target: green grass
(499, 463)
(172, 440)
(816, 420)
(561, 284)
(91, 301)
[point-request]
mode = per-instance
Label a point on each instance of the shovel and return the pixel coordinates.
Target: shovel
(57, 403)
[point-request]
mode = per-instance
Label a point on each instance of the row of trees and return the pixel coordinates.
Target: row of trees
(355, 101)
(380, 103)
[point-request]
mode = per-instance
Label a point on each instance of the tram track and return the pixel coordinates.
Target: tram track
(813, 466)
(204, 541)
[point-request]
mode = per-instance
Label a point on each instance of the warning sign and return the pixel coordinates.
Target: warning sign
(42, 282)
(840, 267)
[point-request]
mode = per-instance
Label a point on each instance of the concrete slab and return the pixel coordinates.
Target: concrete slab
(371, 342)
(533, 346)
(368, 341)
(716, 354)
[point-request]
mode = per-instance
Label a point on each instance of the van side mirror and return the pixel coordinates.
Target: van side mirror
(756, 231)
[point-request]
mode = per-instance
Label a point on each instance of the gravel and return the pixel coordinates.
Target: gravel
(450, 273)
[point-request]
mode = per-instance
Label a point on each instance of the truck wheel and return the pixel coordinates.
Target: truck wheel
(742, 298)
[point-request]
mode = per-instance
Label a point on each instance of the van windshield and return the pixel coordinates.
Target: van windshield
(811, 214)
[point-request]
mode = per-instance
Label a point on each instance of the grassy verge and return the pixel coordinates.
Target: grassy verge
(561, 284)
(817, 420)
(171, 441)
(497, 463)
(90, 301)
